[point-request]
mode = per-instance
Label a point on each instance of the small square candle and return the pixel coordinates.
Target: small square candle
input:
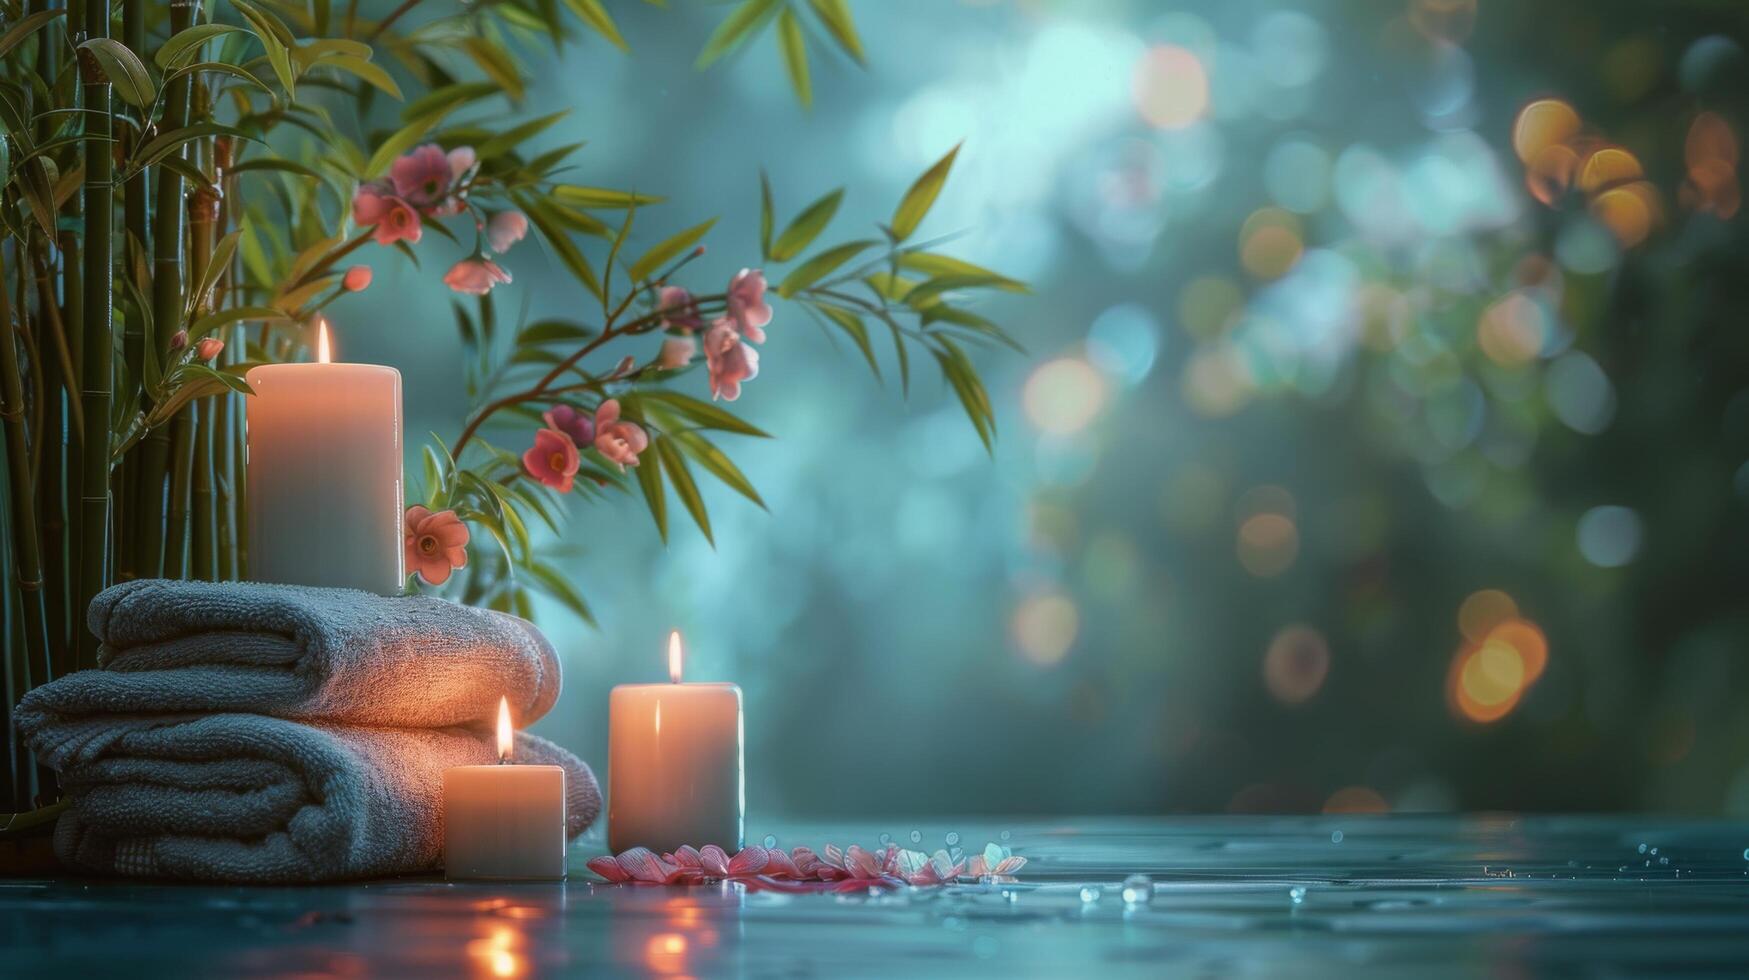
(504, 821)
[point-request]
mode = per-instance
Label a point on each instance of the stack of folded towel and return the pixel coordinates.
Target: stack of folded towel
(246, 732)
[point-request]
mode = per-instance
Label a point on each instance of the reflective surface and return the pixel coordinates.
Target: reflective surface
(1224, 896)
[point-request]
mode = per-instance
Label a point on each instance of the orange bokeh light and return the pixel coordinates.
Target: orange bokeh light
(1170, 87)
(1543, 124)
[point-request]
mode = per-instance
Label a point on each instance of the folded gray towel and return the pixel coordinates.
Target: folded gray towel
(305, 653)
(236, 797)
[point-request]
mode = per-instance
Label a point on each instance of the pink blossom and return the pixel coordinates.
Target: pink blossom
(208, 348)
(476, 276)
(730, 361)
(357, 279)
(620, 442)
(506, 229)
(677, 352)
(462, 159)
(422, 176)
(374, 205)
(677, 308)
(747, 305)
(576, 425)
(552, 460)
(179, 340)
(436, 543)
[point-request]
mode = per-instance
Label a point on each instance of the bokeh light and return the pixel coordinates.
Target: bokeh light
(1268, 544)
(1443, 20)
(1171, 87)
(1296, 664)
(1207, 305)
(1270, 242)
(1541, 125)
(1123, 342)
(1483, 610)
(1356, 799)
(1045, 626)
(1063, 396)
(1489, 681)
(1609, 536)
(1513, 330)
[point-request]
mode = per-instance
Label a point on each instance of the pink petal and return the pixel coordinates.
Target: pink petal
(714, 860)
(779, 863)
(1008, 865)
(750, 861)
(608, 868)
(643, 865)
(687, 857)
(976, 866)
(833, 856)
(860, 863)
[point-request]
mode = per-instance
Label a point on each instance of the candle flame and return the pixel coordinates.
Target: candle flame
(506, 735)
(322, 355)
(674, 656)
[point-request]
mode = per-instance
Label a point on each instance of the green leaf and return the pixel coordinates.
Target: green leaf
(736, 28)
(835, 14)
(718, 463)
(275, 39)
(164, 144)
(274, 163)
(556, 236)
(218, 67)
(592, 13)
(26, 26)
(214, 321)
(556, 585)
(703, 413)
(434, 493)
(37, 183)
(322, 49)
(650, 482)
(983, 326)
(601, 197)
(932, 264)
(921, 196)
(926, 294)
(850, 323)
(960, 374)
(818, 267)
(668, 250)
(684, 487)
(132, 83)
(515, 136)
(360, 68)
(806, 227)
(186, 44)
(401, 141)
(497, 65)
(448, 98)
(553, 331)
(795, 56)
(764, 215)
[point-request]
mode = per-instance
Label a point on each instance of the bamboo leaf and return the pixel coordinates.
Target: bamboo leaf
(806, 226)
(568, 252)
(921, 196)
(553, 331)
(926, 294)
(601, 197)
(765, 218)
(703, 413)
(218, 67)
(835, 14)
(591, 12)
(516, 136)
(131, 81)
(163, 144)
(650, 482)
(718, 463)
(667, 250)
(852, 324)
(821, 265)
(186, 45)
(736, 28)
(448, 98)
(933, 264)
(25, 27)
(401, 141)
(275, 39)
(497, 65)
(684, 487)
(558, 587)
(795, 56)
(215, 321)
(372, 74)
(37, 184)
(275, 163)
(963, 378)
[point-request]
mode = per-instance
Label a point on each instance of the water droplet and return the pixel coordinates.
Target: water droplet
(874, 892)
(1006, 834)
(770, 840)
(1746, 853)
(1336, 837)
(1643, 848)
(1138, 890)
(1089, 894)
(886, 839)
(1663, 860)
(1013, 895)
(916, 836)
(953, 838)
(1654, 850)
(1297, 894)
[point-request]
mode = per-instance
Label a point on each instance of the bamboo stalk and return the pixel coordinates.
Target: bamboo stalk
(135, 330)
(181, 473)
(26, 564)
(203, 524)
(167, 241)
(99, 369)
(51, 479)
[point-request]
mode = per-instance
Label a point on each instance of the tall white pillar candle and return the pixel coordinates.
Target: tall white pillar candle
(324, 474)
(674, 764)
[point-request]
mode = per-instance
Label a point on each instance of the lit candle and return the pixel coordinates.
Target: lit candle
(674, 763)
(324, 465)
(504, 821)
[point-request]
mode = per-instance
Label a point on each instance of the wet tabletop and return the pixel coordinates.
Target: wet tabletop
(1225, 896)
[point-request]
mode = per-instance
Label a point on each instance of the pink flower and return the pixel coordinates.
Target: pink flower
(730, 361)
(375, 205)
(620, 442)
(462, 159)
(357, 279)
(179, 340)
(552, 460)
(677, 352)
(506, 229)
(208, 348)
(677, 308)
(747, 305)
(436, 543)
(476, 275)
(422, 176)
(564, 418)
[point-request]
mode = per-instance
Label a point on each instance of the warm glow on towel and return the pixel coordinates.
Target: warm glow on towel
(674, 656)
(506, 735)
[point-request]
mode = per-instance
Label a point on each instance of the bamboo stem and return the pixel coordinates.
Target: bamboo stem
(135, 337)
(181, 473)
(203, 522)
(51, 480)
(99, 369)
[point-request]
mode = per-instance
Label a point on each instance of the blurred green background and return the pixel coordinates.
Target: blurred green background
(1381, 443)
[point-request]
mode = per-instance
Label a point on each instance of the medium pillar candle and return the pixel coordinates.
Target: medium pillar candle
(504, 821)
(675, 764)
(324, 494)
